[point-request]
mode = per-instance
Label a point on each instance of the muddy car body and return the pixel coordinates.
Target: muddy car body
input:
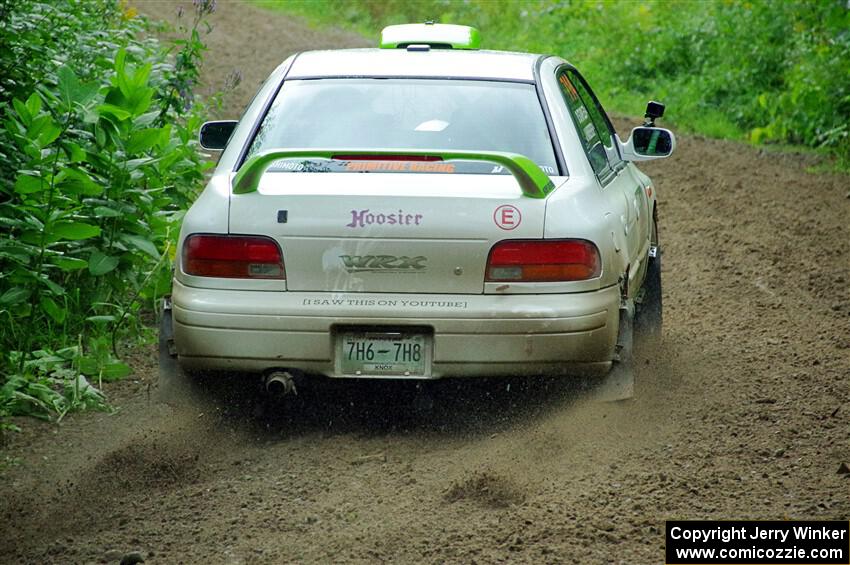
(419, 212)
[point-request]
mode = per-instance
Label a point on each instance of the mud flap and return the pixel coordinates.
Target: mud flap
(619, 383)
(170, 385)
(648, 314)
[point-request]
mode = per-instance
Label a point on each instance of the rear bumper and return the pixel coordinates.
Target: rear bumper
(474, 335)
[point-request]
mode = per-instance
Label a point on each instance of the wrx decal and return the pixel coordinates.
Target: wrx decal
(383, 263)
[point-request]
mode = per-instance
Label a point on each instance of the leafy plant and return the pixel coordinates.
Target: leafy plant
(52, 385)
(101, 162)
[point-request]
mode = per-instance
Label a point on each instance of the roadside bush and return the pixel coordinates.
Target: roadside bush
(758, 70)
(97, 163)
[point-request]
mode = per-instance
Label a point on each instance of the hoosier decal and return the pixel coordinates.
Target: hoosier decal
(363, 218)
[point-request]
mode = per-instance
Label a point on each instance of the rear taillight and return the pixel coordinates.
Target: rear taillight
(543, 261)
(232, 256)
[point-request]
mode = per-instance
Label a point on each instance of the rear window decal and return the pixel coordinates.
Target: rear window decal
(399, 166)
(581, 114)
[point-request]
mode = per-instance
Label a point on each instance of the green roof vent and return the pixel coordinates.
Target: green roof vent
(437, 36)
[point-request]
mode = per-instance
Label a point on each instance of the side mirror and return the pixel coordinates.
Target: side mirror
(648, 143)
(214, 135)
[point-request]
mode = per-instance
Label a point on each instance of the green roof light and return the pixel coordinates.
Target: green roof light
(429, 33)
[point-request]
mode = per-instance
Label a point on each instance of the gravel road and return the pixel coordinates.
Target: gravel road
(743, 413)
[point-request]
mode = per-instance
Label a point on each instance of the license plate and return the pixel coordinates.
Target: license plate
(383, 354)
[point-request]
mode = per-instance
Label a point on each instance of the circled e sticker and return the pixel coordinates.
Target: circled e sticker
(507, 217)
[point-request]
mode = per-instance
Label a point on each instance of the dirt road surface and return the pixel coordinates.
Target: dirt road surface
(744, 412)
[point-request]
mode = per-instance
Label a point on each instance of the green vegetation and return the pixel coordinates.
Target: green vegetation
(765, 71)
(97, 163)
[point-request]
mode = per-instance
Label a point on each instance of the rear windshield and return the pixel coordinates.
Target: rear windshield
(407, 114)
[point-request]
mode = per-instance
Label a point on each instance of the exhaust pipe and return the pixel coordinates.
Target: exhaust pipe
(280, 383)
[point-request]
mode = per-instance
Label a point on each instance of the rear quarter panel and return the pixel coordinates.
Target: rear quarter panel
(579, 209)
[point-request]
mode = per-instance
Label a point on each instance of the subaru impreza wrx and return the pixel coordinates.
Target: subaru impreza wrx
(421, 210)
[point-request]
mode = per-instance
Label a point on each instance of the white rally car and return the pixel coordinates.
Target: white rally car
(419, 211)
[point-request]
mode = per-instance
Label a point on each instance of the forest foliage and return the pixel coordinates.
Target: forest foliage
(98, 161)
(761, 70)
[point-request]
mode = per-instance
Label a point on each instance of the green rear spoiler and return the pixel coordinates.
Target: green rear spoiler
(532, 180)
